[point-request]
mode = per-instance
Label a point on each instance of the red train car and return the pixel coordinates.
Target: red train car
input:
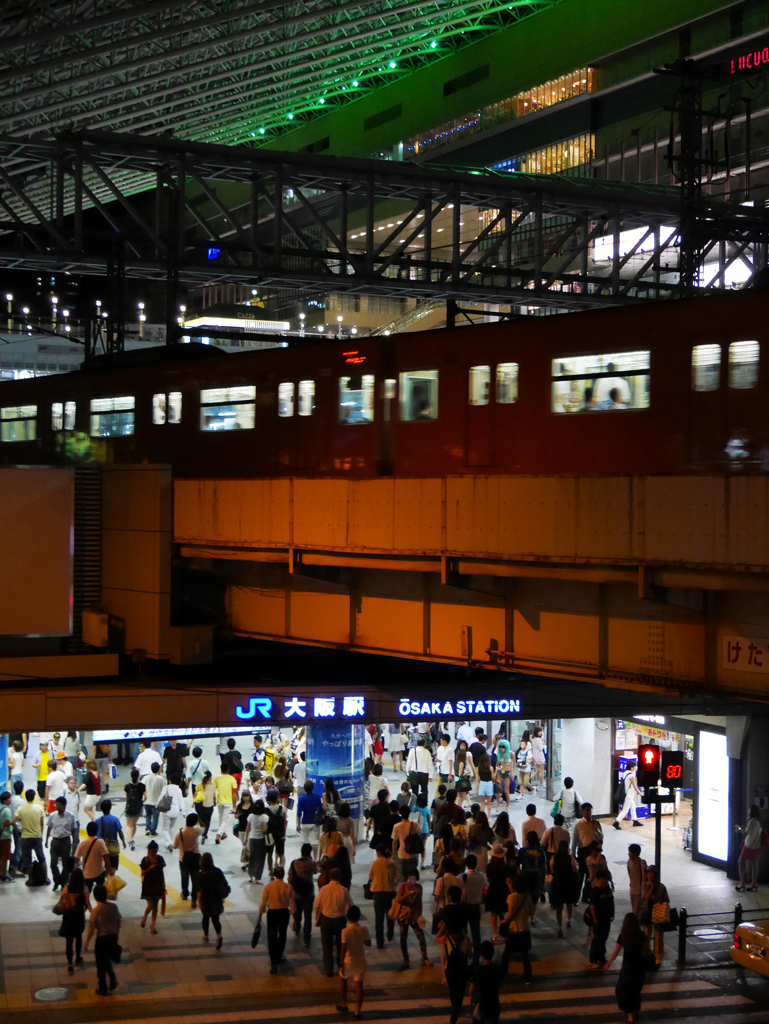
(667, 387)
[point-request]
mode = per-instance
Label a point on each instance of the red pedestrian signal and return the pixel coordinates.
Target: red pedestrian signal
(672, 769)
(648, 765)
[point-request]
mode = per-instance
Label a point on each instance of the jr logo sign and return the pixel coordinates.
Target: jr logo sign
(261, 704)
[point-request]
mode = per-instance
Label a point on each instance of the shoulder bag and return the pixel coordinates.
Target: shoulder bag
(163, 806)
(67, 903)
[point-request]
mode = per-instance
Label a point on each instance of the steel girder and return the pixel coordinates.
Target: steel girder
(219, 72)
(283, 220)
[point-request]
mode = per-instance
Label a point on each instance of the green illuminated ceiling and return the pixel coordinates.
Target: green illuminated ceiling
(226, 71)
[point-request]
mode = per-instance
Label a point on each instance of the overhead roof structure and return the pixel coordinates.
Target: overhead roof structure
(220, 72)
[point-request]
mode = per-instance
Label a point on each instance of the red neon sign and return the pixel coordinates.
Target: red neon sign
(753, 59)
(354, 357)
(673, 771)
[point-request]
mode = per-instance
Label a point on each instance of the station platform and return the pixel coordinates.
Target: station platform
(174, 974)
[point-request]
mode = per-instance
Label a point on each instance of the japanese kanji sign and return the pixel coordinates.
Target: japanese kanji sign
(745, 654)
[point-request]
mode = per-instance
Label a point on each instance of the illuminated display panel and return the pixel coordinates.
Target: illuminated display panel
(713, 796)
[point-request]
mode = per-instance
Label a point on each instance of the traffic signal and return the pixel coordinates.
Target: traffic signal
(672, 769)
(648, 765)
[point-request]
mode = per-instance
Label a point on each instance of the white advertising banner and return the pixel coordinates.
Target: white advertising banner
(713, 796)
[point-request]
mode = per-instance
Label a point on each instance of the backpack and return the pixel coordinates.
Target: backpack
(413, 844)
(38, 874)
(456, 961)
(459, 831)
(236, 765)
(277, 824)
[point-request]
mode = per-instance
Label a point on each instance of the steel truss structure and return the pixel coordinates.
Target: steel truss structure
(219, 72)
(283, 220)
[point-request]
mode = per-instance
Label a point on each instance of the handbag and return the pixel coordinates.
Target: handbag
(117, 952)
(589, 917)
(199, 795)
(661, 913)
(245, 855)
(671, 925)
(113, 885)
(556, 808)
(548, 886)
(257, 933)
(367, 893)
(67, 902)
(290, 803)
(163, 806)
(463, 784)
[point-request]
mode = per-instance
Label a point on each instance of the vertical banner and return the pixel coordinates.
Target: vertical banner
(4, 780)
(336, 750)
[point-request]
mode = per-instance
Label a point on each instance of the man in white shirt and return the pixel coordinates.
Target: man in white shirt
(154, 784)
(418, 766)
(465, 732)
(331, 906)
(147, 757)
(586, 831)
(444, 759)
(72, 796)
(631, 788)
(55, 785)
(63, 765)
(532, 823)
(569, 797)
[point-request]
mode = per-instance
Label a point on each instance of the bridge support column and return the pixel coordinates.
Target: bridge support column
(337, 750)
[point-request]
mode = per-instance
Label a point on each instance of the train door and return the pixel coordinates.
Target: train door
(706, 406)
(480, 417)
(744, 431)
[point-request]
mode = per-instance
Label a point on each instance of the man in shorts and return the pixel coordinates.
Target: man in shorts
(307, 806)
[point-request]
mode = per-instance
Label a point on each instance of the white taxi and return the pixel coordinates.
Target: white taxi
(751, 946)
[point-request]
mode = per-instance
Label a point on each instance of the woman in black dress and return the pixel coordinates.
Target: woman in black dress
(73, 921)
(212, 890)
(497, 892)
(564, 885)
(633, 972)
(153, 884)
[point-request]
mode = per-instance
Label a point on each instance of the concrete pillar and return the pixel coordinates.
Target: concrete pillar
(337, 750)
(586, 757)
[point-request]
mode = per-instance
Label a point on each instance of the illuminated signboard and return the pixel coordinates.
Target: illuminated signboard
(408, 708)
(301, 709)
(749, 59)
(713, 796)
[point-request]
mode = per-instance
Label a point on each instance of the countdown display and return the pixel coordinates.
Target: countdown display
(672, 768)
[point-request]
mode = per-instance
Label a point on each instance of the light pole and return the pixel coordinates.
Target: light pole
(339, 326)
(9, 300)
(142, 318)
(301, 325)
(54, 310)
(65, 314)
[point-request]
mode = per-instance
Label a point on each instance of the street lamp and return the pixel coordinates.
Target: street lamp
(9, 300)
(54, 309)
(142, 318)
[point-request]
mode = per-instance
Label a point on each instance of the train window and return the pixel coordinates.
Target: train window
(743, 364)
(167, 408)
(63, 415)
(18, 423)
(480, 385)
(306, 397)
(608, 381)
(356, 399)
(419, 395)
(113, 417)
(286, 399)
(706, 367)
(507, 383)
(228, 408)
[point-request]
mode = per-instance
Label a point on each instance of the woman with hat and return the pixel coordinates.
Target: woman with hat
(497, 873)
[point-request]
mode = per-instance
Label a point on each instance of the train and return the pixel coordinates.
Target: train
(669, 387)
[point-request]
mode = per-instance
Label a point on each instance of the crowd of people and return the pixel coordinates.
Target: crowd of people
(448, 823)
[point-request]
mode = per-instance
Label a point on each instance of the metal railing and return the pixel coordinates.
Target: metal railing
(717, 919)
